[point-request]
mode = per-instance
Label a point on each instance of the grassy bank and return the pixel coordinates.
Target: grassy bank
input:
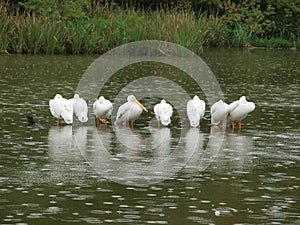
(109, 27)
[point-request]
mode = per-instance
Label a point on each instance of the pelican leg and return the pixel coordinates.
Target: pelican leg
(232, 124)
(223, 123)
(98, 121)
(239, 124)
(124, 123)
(158, 123)
(58, 122)
(106, 120)
(131, 123)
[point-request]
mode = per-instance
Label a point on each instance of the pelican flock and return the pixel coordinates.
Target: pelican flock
(163, 113)
(220, 111)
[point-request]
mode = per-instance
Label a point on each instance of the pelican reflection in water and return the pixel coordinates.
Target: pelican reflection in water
(235, 155)
(194, 141)
(161, 142)
(65, 161)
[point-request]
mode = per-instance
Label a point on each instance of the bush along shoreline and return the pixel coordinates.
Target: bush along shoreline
(80, 28)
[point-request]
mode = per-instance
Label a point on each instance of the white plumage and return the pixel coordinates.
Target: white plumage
(80, 108)
(220, 110)
(130, 111)
(102, 109)
(241, 111)
(61, 108)
(195, 111)
(163, 112)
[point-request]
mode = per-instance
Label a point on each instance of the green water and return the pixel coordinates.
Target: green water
(49, 175)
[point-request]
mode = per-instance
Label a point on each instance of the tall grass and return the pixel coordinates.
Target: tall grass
(110, 27)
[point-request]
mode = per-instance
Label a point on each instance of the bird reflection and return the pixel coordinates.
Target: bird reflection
(210, 154)
(80, 136)
(60, 141)
(194, 141)
(104, 134)
(136, 159)
(63, 156)
(128, 137)
(237, 148)
(161, 141)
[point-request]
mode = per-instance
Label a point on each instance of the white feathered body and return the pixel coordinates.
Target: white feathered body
(195, 111)
(80, 108)
(219, 112)
(242, 110)
(130, 110)
(61, 108)
(163, 112)
(102, 108)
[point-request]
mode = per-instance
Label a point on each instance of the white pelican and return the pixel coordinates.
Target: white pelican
(195, 111)
(163, 112)
(219, 111)
(61, 108)
(80, 108)
(130, 111)
(241, 111)
(102, 109)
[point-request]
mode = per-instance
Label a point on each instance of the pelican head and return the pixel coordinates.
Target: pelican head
(101, 99)
(132, 98)
(243, 99)
(58, 96)
(196, 97)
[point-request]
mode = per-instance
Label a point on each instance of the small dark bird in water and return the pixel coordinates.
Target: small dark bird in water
(30, 120)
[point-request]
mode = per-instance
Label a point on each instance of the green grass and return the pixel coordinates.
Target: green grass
(275, 43)
(111, 27)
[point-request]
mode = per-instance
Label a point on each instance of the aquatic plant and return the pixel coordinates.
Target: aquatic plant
(83, 29)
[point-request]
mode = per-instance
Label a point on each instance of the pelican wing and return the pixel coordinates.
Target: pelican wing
(218, 112)
(66, 111)
(232, 106)
(123, 111)
(109, 107)
(166, 114)
(193, 115)
(157, 111)
(242, 109)
(163, 112)
(95, 107)
(55, 108)
(195, 111)
(102, 108)
(81, 109)
(200, 106)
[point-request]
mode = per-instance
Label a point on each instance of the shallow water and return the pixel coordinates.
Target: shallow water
(108, 175)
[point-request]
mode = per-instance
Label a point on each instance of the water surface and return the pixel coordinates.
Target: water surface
(45, 178)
